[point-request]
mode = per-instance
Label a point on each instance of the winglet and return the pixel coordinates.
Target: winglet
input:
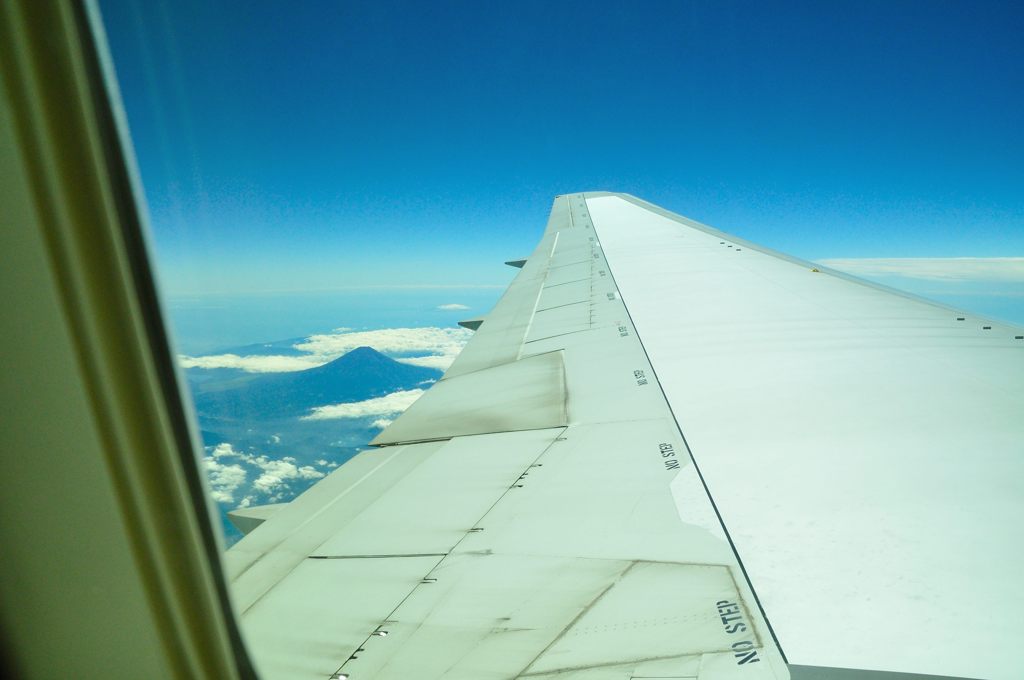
(472, 324)
(518, 264)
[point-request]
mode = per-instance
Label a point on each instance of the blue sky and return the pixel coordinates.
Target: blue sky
(319, 145)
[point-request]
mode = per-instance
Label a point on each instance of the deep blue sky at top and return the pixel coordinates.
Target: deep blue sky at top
(300, 145)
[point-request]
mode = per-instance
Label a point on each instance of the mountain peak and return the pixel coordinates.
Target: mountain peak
(359, 374)
(364, 357)
(362, 353)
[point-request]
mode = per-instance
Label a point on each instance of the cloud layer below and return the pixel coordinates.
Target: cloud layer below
(226, 470)
(428, 346)
(389, 404)
(253, 363)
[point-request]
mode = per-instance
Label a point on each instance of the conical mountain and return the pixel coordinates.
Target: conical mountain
(361, 374)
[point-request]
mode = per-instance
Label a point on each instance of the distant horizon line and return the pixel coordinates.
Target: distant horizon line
(337, 289)
(960, 267)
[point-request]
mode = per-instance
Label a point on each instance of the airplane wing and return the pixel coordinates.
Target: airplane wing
(668, 453)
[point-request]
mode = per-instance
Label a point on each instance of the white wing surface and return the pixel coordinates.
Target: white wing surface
(539, 513)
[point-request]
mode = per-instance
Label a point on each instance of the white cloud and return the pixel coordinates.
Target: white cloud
(254, 363)
(428, 346)
(389, 404)
(225, 449)
(438, 361)
(452, 307)
(1002, 269)
(277, 472)
(224, 479)
(382, 422)
(427, 340)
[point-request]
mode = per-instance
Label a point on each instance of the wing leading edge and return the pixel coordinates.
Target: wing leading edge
(864, 446)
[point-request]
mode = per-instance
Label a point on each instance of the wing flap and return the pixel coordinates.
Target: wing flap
(439, 503)
(528, 394)
(311, 622)
(583, 564)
